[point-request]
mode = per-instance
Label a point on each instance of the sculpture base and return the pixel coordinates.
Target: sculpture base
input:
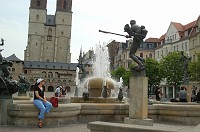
(4, 117)
(5, 96)
(146, 122)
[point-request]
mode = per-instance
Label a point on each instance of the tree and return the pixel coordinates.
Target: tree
(153, 73)
(122, 72)
(194, 69)
(171, 68)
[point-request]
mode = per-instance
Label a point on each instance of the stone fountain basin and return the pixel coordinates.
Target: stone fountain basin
(26, 114)
(95, 85)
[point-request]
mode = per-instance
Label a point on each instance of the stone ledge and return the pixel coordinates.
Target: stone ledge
(99, 126)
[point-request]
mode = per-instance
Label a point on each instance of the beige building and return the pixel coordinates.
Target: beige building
(179, 37)
(194, 40)
(17, 66)
(54, 74)
(146, 50)
(49, 36)
(175, 39)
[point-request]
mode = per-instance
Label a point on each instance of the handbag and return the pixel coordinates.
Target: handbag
(54, 101)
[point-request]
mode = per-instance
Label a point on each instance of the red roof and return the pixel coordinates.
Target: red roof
(190, 25)
(162, 37)
(178, 26)
(155, 40)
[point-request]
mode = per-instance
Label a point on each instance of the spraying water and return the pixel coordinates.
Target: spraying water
(101, 64)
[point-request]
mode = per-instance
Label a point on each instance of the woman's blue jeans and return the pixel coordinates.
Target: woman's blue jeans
(44, 107)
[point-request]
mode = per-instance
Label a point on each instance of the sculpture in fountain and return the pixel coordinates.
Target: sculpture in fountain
(23, 85)
(7, 85)
(120, 94)
(185, 60)
(138, 34)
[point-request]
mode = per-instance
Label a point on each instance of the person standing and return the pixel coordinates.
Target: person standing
(158, 94)
(58, 91)
(183, 95)
(40, 101)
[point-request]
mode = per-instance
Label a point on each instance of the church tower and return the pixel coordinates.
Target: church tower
(49, 36)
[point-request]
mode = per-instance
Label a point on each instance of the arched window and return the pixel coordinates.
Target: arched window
(44, 74)
(37, 17)
(56, 75)
(150, 55)
(50, 74)
(141, 55)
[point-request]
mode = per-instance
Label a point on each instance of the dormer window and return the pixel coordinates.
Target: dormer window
(186, 33)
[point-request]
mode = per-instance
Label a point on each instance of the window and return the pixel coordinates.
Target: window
(175, 36)
(150, 46)
(185, 45)
(13, 69)
(25, 71)
(177, 48)
(38, 3)
(194, 58)
(182, 47)
(50, 74)
(158, 54)
(44, 74)
(150, 55)
(49, 20)
(49, 38)
(161, 52)
(65, 5)
(141, 45)
(37, 17)
(141, 55)
(194, 43)
(174, 48)
(49, 31)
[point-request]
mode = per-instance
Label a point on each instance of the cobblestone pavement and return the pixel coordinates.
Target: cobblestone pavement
(67, 128)
(83, 128)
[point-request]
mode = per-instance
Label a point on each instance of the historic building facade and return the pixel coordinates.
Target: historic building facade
(49, 36)
(47, 54)
(146, 50)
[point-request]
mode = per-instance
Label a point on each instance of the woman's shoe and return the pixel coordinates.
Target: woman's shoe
(40, 124)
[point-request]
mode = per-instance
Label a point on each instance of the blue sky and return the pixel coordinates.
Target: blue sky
(91, 15)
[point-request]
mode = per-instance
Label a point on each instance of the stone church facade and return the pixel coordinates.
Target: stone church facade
(47, 54)
(49, 36)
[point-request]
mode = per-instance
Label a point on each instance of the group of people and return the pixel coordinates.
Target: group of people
(182, 95)
(60, 91)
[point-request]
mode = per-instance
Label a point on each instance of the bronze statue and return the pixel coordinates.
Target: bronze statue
(23, 85)
(185, 60)
(7, 86)
(138, 34)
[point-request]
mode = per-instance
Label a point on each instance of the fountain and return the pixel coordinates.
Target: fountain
(101, 78)
(99, 86)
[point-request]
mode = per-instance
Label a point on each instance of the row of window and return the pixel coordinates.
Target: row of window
(176, 48)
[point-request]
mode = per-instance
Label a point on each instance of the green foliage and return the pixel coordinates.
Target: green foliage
(122, 72)
(171, 68)
(194, 69)
(153, 72)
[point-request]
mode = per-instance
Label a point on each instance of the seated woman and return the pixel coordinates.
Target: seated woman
(40, 101)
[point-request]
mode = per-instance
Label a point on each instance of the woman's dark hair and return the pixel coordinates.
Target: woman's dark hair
(182, 88)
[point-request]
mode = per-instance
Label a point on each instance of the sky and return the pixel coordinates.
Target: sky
(90, 16)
